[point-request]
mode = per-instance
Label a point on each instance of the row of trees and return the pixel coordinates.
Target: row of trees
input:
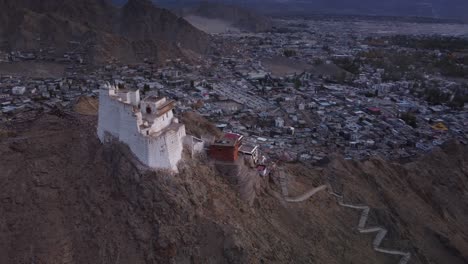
(431, 42)
(289, 53)
(403, 64)
(450, 67)
(410, 119)
(350, 65)
(436, 96)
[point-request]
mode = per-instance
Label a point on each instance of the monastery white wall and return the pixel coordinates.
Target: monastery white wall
(193, 144)
(109, 116)
(162, 122)
(123, 120)
(174, 143)
(166, 150)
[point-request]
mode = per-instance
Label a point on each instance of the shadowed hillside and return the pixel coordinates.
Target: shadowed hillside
(98, 29)
(66, 198)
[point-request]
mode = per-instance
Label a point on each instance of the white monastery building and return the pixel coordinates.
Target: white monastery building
(147, 126)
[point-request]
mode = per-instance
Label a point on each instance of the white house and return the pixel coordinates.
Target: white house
(18, 90)
(147, 126)
(279, 122)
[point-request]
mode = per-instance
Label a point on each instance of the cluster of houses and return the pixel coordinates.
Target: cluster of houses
(21, 97)
(301, 116)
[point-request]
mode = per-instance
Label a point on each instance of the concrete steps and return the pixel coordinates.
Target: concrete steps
(362, 227)
(381, 232)
(246, 184)
(280, 179)
(306, 195)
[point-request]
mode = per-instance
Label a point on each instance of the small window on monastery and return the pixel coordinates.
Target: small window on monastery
(148, 110)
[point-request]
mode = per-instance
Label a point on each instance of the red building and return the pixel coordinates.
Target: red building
(374, 111)
(227, 148)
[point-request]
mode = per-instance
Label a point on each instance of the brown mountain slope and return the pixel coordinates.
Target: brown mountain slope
(424, 202)
(239, 17)
(137, 30)
(138, 12)
(65, 198)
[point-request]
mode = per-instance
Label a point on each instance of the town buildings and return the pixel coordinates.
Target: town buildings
(301, 115)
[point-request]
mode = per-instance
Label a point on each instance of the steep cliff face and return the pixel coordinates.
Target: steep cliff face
(135, 31)
(65, 198)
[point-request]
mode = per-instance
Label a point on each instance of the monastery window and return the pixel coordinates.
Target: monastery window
(148, 110)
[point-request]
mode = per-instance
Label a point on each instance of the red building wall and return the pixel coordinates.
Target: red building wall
(224, 153)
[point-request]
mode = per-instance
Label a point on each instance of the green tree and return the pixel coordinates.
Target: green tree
(410, 119)
(341, 77)
(297, 83)
(289, 53)
(435, 96)
(318, 61)
(458, 101)
(146, 88)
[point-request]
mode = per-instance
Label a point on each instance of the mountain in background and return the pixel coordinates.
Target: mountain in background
(236, 16)
(457, 9)
(76, 200)
(131, 32)
(453, 9)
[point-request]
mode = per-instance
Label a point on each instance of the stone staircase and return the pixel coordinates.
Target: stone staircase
(306, 195)
(280, 179)
(246, 182)
(381, 232)
(362, 225)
